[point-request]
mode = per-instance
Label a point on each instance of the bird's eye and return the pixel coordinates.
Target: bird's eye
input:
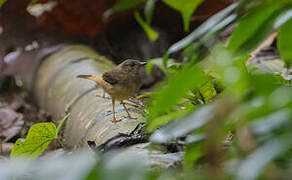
(132, 64)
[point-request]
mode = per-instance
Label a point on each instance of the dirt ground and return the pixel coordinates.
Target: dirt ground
(17, 113)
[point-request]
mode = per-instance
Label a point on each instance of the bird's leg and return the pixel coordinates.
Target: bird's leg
(114, 112)
(129, 116)
(103, 95)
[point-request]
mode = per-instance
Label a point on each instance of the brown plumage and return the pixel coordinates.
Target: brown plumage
(120, 83)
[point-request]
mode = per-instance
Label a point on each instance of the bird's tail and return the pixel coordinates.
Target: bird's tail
(96, 79)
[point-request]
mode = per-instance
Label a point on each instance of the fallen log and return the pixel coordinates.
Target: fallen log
(57, 90)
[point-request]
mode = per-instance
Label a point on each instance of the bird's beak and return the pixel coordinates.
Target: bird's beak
(143, 63)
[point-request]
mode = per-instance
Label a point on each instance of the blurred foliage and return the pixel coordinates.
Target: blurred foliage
(2, 2)
(32, 2)
(186, 8)
(153, 35)
(123, 5)
(254, 105)
(233, 121)
(285, 42)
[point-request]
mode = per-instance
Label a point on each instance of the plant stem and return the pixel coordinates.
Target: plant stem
(60, 142)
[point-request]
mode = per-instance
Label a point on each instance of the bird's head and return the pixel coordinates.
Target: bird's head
(132, 66)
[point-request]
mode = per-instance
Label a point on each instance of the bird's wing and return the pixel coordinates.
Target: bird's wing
(110, 78)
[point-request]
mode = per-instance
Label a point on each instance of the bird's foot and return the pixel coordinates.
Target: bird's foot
(116, 120)
(129, 117)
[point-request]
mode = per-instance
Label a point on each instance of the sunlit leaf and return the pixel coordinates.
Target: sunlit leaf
(185, 7)
(207, 91)
(38, 138)
(285, 42)
(152, 35)
(250, 24)
(181, 127)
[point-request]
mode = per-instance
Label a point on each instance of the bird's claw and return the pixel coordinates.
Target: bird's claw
(129, 117)
(116, 120)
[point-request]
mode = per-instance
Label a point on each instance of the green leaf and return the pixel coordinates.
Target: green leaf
(192, 154)
(250, 24)
(185, 7)
(152, 35)
(38, 138)
(285, 42)
(207, 91)
(181, 127)
(202, 29)
(167, 97)
(122, 5)
(148, 10)
(261, 34)
(2, 2)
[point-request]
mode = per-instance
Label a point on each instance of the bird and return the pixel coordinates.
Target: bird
(121, 83)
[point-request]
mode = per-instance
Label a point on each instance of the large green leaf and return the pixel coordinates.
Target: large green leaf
(250, 24)
(285, 42)
(188, 78)
(38, 138)
(185, 7)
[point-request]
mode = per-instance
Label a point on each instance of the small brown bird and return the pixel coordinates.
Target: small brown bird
(120, 83)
